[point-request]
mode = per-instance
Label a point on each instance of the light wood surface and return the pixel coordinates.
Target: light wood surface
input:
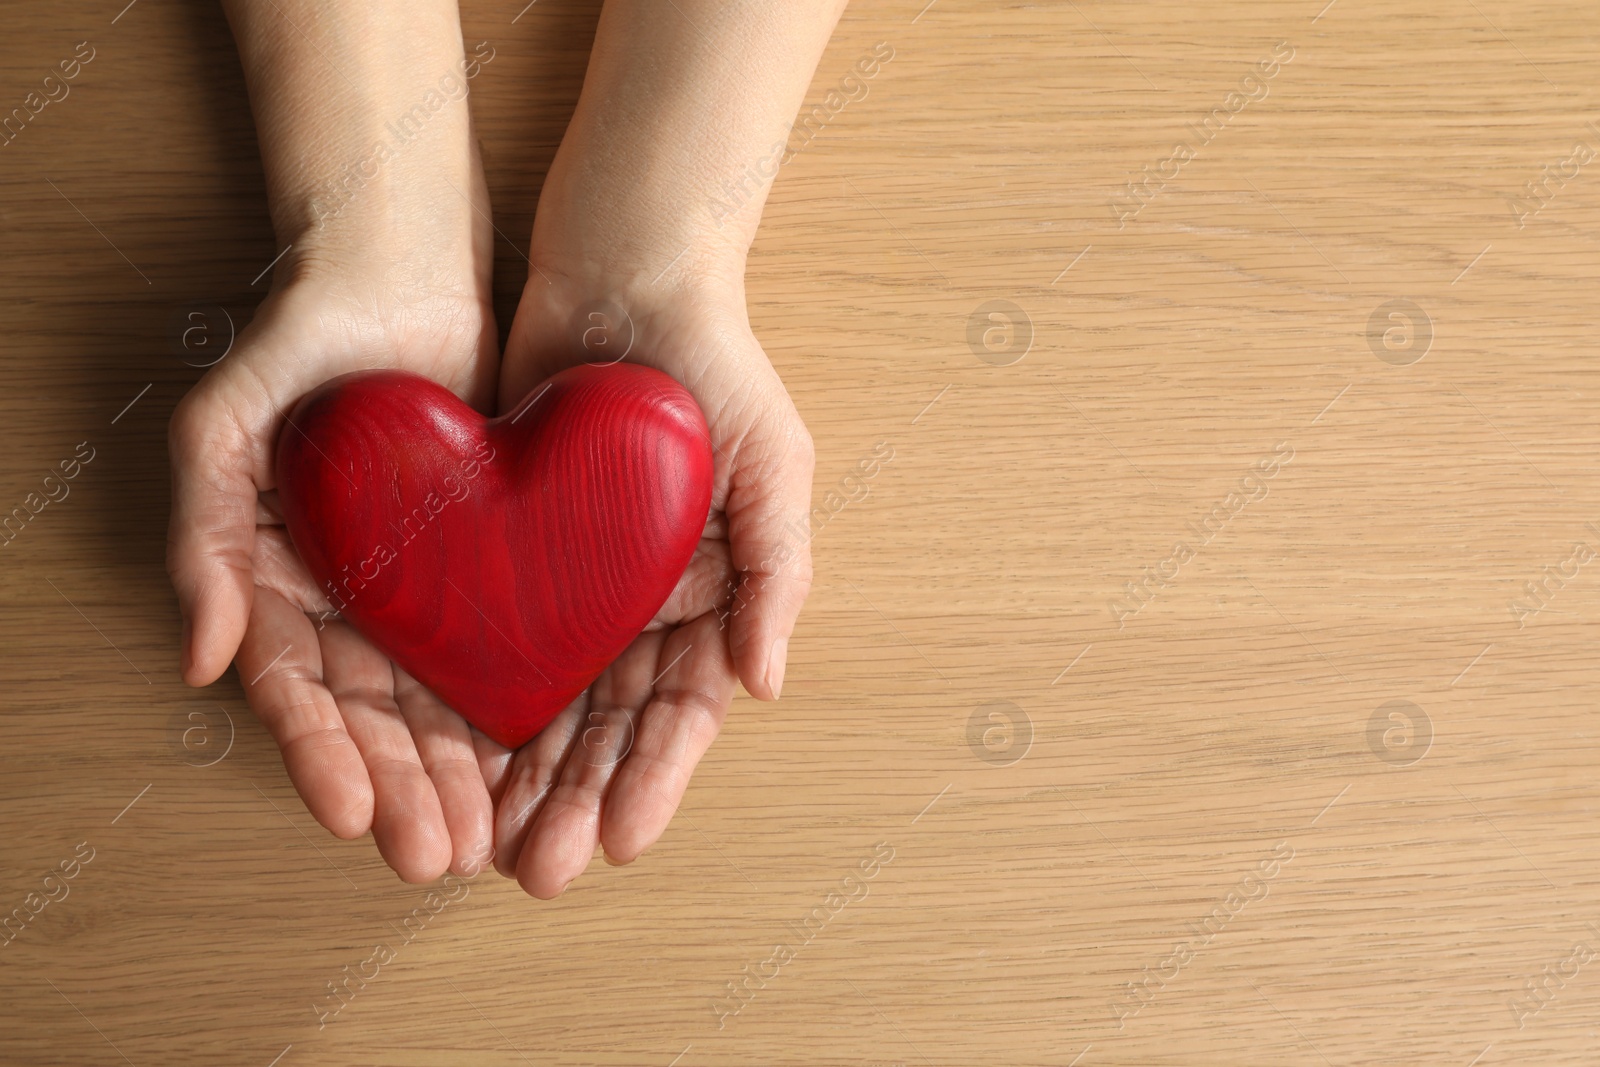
(1371, 899)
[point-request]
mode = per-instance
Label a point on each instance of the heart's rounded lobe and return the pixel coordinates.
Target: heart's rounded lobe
(503, 563)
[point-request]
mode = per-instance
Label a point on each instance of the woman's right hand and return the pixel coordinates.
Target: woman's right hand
(366, 746)
(375, 187)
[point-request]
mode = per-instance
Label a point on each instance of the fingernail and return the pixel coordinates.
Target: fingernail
(777, 659)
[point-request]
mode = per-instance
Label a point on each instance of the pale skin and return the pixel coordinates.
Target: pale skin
(679, 99)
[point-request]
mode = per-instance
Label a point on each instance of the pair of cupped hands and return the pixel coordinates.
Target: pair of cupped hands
(366, 746)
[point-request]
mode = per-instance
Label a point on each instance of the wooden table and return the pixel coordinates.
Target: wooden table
(1298, 354)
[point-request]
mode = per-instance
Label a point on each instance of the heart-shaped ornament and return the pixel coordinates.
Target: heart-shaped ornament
(504, 563)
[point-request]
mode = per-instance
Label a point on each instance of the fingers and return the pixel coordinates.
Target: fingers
(280, 664)
(211, 531)
(706, 585)
(407, 817)
(683, 717)
(368, 749)
(533, 775)
(566, 831)
(768, 502)
(444, 743)
(494, 763)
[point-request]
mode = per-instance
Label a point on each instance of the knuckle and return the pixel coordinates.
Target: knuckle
(583, 795)
(455, 770)
(393, 767)
(368, 696)
(312, 745)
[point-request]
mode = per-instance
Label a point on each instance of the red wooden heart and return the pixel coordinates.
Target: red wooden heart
(503, 563)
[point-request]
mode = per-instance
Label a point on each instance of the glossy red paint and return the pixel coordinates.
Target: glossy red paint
(503, 563)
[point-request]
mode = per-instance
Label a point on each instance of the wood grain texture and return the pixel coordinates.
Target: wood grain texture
(1072, 797)
(503, 562)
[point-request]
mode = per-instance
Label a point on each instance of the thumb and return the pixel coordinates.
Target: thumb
(212, 530)
(768, 500)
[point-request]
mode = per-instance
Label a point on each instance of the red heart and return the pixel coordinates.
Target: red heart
(503, 563)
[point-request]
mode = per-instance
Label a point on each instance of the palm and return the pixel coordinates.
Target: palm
(613, 767)
(366, 746)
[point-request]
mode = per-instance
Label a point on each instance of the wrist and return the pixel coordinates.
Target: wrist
(580, 310)
(589, 266)
(598, 227)
(417, 248)
(365, 134)
(569, 297)
(679, 132)
(398, 205)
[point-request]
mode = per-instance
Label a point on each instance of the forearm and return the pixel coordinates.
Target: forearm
(364, 131)
(678, 133)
